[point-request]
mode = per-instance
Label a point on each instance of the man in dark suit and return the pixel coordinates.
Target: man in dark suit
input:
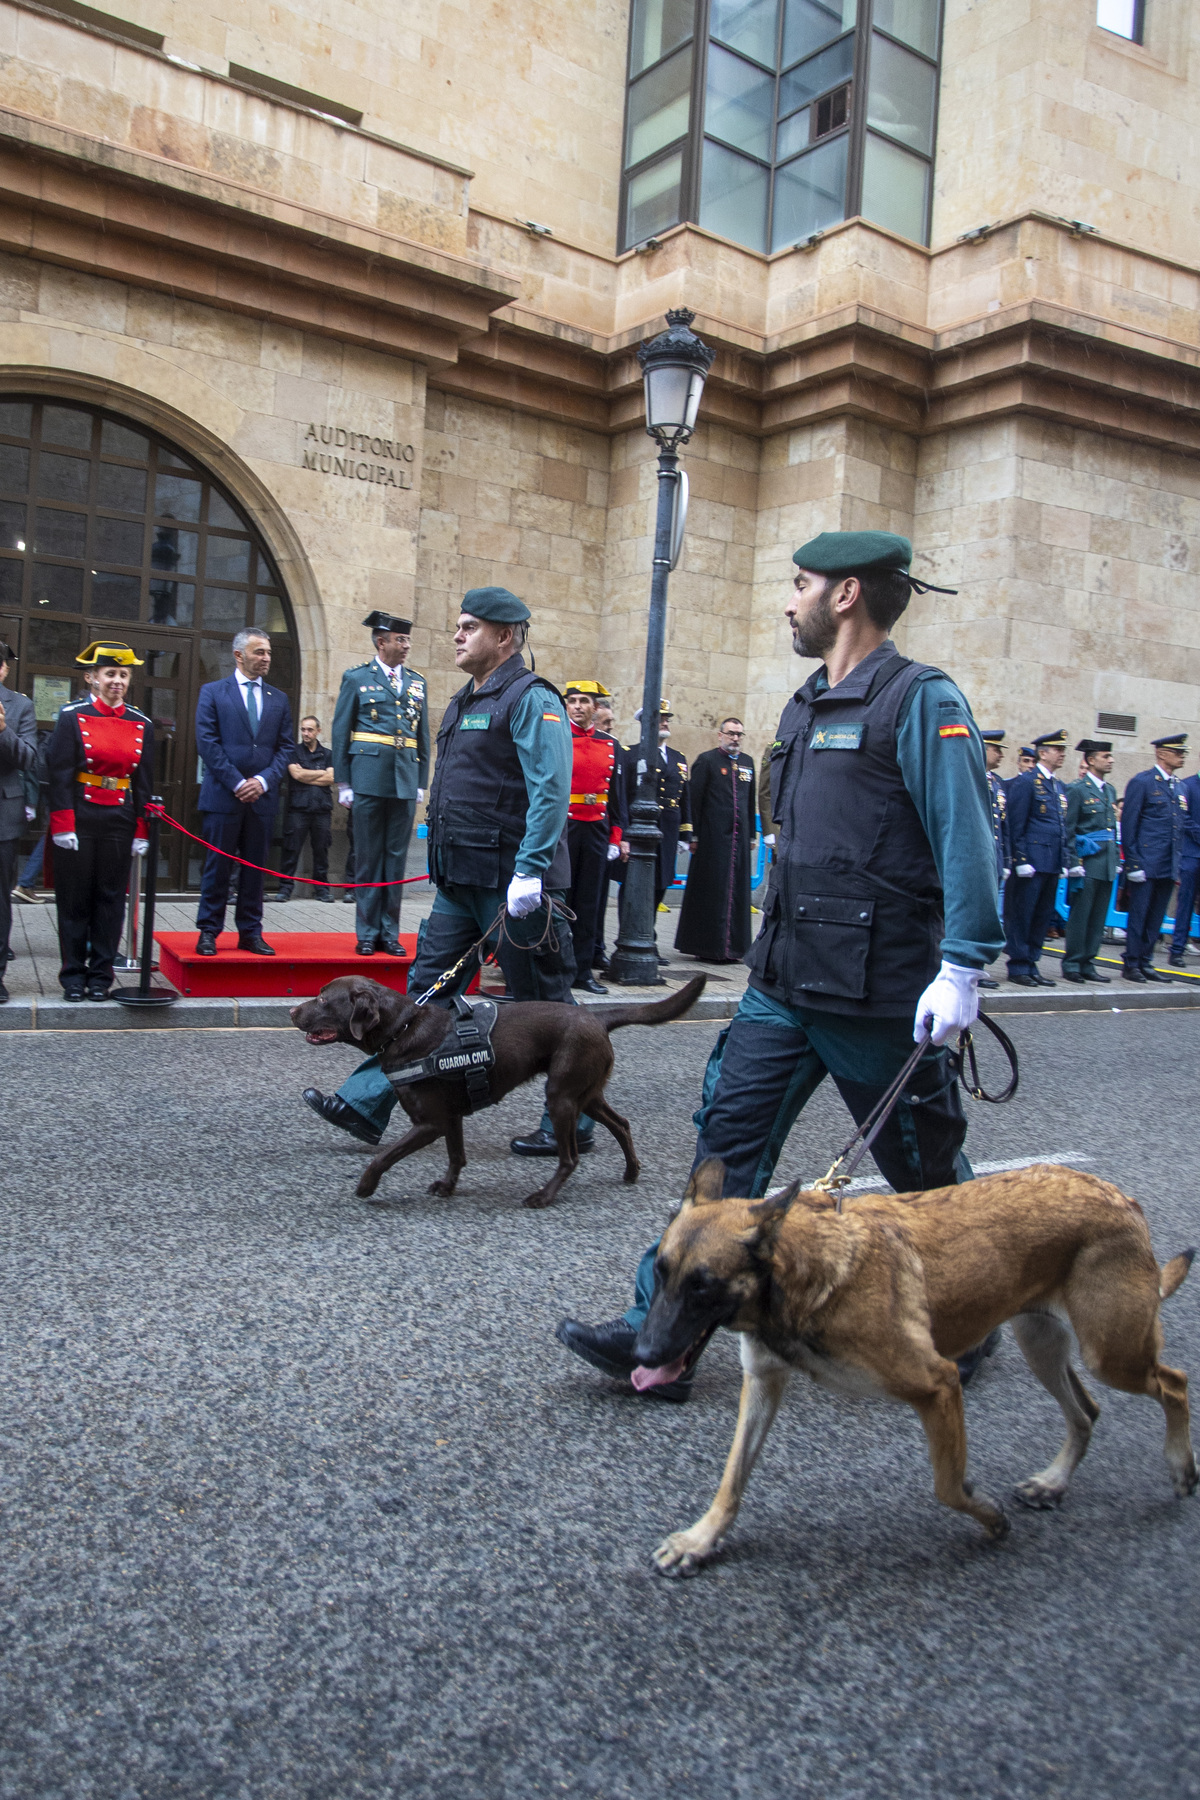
(1037, 807)
(674, 801)
(244, 736)
(1152, 821)
(18, 755)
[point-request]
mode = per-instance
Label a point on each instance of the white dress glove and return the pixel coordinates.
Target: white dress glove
(345, 796)
(524, 895)
(770, 838)
(140, 846)
(949, 1004)
(65, 840)
(30, 814)
(614, 850)
(1025, 870)
(420, 796)
(1136, 875)
(1077, 870)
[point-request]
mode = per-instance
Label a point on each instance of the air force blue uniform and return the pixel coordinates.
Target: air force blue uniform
(1037, 805)
(1152, 820)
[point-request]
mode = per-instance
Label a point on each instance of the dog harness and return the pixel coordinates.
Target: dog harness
(465, 1053)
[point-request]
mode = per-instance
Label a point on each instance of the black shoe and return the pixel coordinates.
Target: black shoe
(544, 1143)
(206, 944)
(985, 981)
(1094, 975)
(96, 992)
(1022, 981)
(364, 949)
(600, 966)
(969, 1364)
(609, 1348)
(1070, 975)
(394, 950)
(325, 896)
(1149, 974)
(4, 995)
(256, 944)
(337, 1112)
(284, 894)
(588, 984)
(348, 899)
(72, 993)
(1132, 974)
(1040, 980)
(1176, 962)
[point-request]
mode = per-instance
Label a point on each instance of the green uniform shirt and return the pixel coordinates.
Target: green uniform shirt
(380, 742)
(544, 751)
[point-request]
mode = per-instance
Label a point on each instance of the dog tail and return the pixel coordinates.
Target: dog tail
(656, 1012)
(1174, 1273)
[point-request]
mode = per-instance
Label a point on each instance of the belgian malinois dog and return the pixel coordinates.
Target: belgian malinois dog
(879, 1300)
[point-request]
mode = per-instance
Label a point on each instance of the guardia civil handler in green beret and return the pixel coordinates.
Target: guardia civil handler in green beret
(497, 838)
(380, 743)
(880, 917)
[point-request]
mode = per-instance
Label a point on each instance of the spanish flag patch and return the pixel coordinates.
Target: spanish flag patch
(954, 731)
(554, 718)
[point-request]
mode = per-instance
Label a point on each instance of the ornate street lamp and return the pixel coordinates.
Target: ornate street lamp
(674, 365)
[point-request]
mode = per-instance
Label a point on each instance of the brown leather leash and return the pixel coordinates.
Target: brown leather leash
(549, 936)
(961, 1057)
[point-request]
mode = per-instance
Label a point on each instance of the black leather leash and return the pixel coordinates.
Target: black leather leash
(959, 1058)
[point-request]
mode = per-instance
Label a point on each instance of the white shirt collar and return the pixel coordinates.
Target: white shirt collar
(246, 681)
(1096, 779)
(1048, 773)
(1167, 774)
(390, 674)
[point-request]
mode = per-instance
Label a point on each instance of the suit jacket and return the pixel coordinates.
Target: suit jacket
(18, 758)
(230, 753)
(367, 715)
(1189, 850)
(1089, 812)
(1037, 807)
(1152, 825)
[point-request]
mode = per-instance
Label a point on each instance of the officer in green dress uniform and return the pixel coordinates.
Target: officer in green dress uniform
(380, 744)
(1091, 851)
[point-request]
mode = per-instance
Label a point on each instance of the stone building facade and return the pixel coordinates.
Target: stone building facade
(358, 266)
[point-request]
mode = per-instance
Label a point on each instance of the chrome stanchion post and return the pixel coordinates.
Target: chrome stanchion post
(144, 994)
(130, 962)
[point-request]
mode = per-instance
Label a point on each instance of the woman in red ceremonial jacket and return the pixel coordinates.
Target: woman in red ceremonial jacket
(100, 761)
(593, 824)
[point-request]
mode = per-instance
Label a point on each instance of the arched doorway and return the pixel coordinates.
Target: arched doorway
(106, 528)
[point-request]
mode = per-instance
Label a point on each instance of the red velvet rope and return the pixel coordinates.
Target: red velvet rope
(160, 812)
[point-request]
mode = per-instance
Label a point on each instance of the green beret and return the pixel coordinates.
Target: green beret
(495, 604)
(853, 552)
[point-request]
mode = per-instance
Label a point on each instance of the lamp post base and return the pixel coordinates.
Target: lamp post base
(155, 996)
(635, 968)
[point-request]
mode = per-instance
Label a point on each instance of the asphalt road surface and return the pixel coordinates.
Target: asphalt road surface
(299, 1498)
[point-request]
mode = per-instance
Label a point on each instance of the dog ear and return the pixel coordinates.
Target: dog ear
(705, 1183)
(768, 1215)
(365, 1015)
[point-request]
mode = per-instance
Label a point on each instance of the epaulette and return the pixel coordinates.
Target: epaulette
(137, 713)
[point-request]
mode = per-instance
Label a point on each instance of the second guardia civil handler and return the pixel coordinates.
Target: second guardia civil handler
(880, 917)
(380, 744)
(497, 837)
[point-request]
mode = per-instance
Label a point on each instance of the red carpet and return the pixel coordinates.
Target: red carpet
(303, 962)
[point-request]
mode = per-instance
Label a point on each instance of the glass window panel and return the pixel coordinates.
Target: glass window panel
(913, 21)
(895, 188)
(172, 603)
(61, 590)
(221, 513)
(226, 559)
(116, 596)
(733, 197)
(740, 102)
(122, 489)
(284, 673)
(67, 425)
(174, 551)
(118, 541)
(807, 24)
(169, 459)
(656, 27)
(792, 135)
(118, 440)
(176, 498)
(12, 526)
(12, 576)
(62, 477)
(652, 199)
(827, 70)
(268, 612)
(901, 95)
(810, 193)
(16, 418)
(1124, 17)
(164, 705)
(59, 533)
(14, 469)
(52, 641)
(216, 659)
(659, 107)
(162, 662)
(224, 609)
(748, 26)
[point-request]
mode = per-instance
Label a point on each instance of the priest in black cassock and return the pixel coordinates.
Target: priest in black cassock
(714, 920)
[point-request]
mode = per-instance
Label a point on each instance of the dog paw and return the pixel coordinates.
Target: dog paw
(682, 1555)
(631, 1175)
(366, 1187)
(1038, 1495)
(1187, 1479)
(535, 1202)
(443, 1189)
(999, 1527)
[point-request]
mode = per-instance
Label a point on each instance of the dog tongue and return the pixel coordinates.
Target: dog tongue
(643, 1378)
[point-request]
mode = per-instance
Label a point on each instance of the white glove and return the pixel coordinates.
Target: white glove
(140, 846)
(420, 796)
(65, 840)
(1006, 874)
(30, 814)
(770, 838)
(524, 895)
(345, 796)
(614, 850)
(949, 1004)
(1025, 870)
(1136, 875)
(1077, 870)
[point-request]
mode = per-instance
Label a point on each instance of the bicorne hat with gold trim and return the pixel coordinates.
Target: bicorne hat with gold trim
(107, 653)
(596, 689)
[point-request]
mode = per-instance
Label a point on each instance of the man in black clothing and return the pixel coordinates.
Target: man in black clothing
(714, 920)
(310, 810)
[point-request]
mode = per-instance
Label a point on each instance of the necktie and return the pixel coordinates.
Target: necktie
(252, 706)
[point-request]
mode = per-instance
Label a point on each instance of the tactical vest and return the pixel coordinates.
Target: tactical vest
(478, 801)
(853, 920)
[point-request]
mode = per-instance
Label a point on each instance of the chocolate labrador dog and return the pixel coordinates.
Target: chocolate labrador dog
(568, 1044)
